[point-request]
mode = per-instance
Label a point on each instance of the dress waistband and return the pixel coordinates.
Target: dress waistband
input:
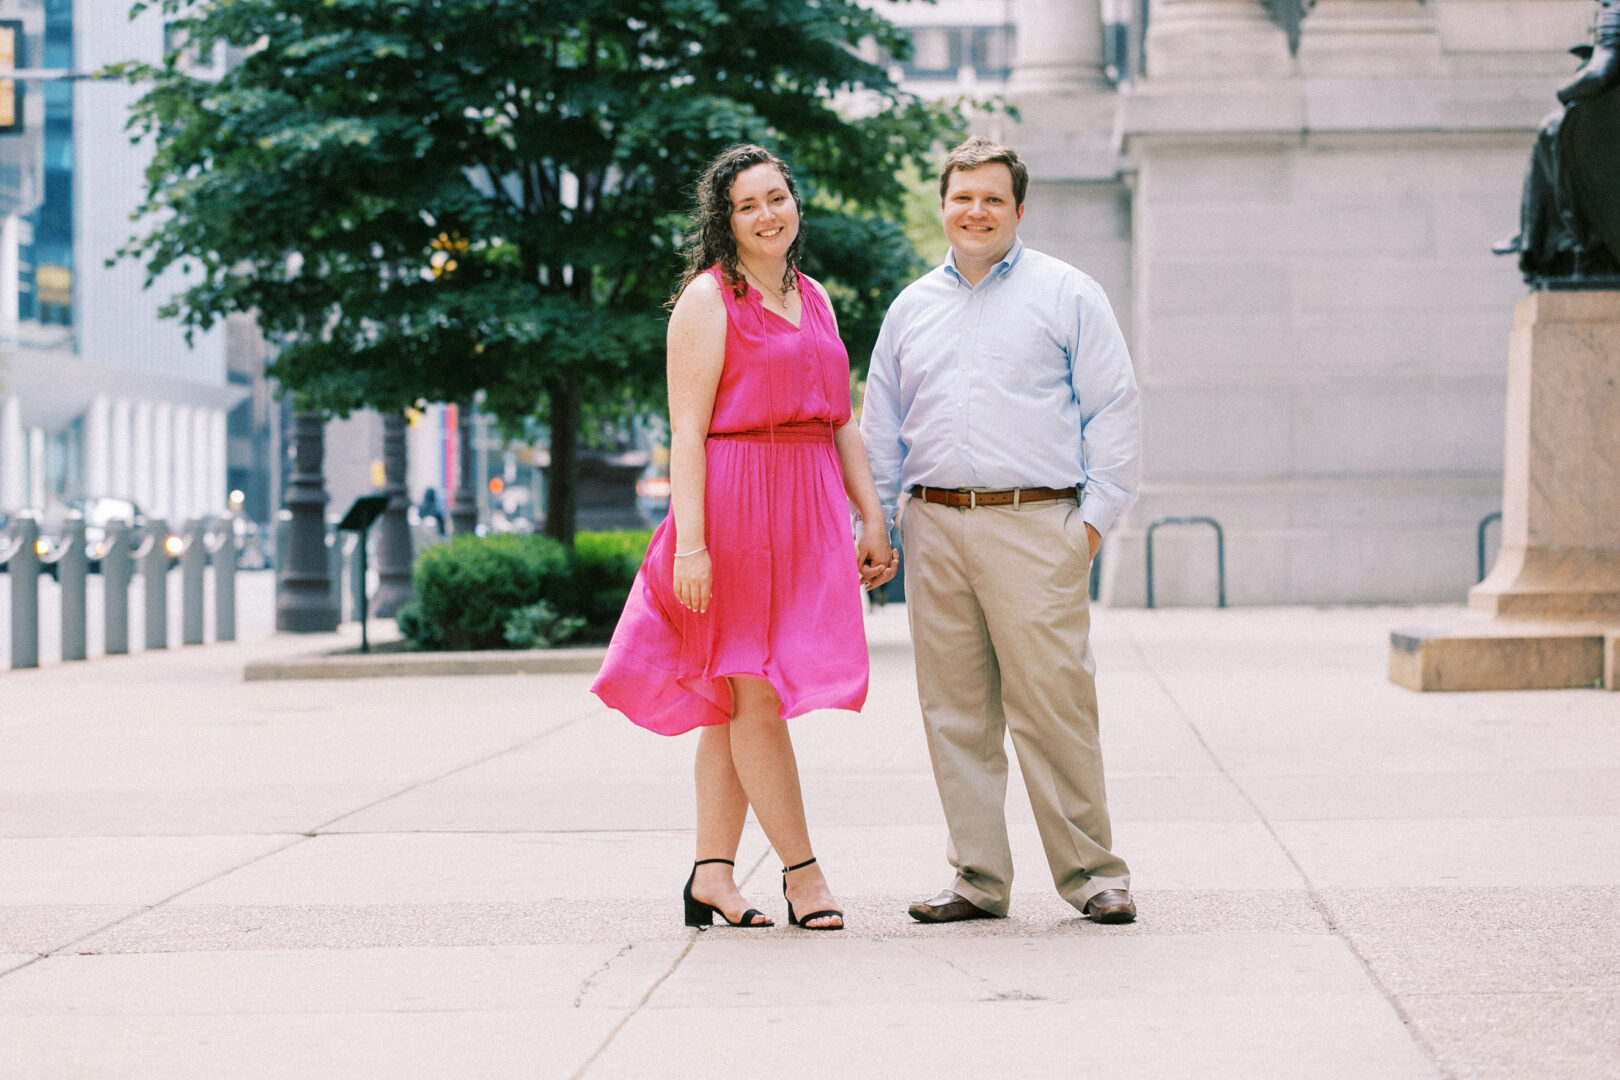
(796, 431)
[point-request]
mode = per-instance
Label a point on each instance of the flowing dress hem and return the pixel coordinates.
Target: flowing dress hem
(685, 709)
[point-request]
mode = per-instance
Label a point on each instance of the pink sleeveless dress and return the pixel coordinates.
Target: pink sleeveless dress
(787, 601)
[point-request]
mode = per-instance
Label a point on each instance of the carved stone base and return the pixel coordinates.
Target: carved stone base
(1495, 654)
(1548, 614)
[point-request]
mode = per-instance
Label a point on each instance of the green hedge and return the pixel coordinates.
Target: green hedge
(482, 592)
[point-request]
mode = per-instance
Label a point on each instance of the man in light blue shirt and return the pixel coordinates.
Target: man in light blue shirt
(1001, 401)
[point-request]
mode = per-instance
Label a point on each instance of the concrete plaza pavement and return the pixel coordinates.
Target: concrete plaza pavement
(479, 878)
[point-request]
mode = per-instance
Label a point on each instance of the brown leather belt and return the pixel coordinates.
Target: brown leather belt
(960, 497)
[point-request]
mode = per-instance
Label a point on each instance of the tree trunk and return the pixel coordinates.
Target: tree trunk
(562, 479)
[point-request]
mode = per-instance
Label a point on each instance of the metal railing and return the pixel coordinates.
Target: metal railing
(1220, 552)
(24, 556)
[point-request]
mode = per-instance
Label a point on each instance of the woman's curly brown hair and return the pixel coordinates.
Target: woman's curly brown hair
(714, 242)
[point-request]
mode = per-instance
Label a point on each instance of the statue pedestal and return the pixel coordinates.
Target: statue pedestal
(1548, 616)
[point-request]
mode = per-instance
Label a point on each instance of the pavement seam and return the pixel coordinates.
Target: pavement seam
(613, 1032)
(487, 758)
(149, 908)
(301, 838)
(1318, 901)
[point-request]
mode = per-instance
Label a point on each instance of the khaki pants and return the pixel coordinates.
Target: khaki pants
(1000, 619)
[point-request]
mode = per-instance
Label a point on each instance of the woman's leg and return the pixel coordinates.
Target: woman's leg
(721, 809)
(763, 757)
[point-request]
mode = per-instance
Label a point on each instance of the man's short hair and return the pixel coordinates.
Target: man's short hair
(979, 151)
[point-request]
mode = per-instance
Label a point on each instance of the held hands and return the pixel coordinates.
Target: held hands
(694, 581)
(875, 558)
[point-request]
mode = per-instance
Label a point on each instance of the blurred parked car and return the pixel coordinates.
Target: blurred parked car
(99, 512)
(254, 544)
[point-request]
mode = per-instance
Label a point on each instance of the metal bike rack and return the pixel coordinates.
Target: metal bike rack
(1220, 552)
(1484, 523)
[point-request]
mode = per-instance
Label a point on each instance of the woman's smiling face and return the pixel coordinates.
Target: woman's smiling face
(764, 217)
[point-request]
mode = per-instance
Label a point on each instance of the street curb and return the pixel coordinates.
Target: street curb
(412, 665)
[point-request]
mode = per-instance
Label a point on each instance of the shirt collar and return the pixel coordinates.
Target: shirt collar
(1001, 269)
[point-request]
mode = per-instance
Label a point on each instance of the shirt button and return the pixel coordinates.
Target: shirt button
(959, 446)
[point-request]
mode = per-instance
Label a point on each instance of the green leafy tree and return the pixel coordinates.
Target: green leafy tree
(421, 199)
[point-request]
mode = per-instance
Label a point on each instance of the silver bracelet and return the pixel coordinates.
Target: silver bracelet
(694, 551)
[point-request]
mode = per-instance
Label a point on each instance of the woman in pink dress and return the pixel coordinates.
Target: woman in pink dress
(746, 611)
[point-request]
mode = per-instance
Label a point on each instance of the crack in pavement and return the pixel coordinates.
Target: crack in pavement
(1318, 901)
(585, 987)
(613, 1033)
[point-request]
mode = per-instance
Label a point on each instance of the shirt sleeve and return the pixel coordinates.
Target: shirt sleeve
(880, 418)
(1110, 419)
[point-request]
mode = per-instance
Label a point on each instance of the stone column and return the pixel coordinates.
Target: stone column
(393, 531)
(1215, 38)
(1361, 38)
(1068, 109)
(98, 447)
(36, 468)
(181, 462)
(304, 600)
(10, 263)
(1059, 46)
(219, 463)
(13, 455)
(142, 476)
(464, 507)
(161, 503)
(204, 499)
(121, 450)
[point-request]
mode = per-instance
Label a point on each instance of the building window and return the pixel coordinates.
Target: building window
(45, 241)
(942, 52)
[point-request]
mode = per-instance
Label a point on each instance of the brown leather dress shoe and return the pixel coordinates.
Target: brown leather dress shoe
(1111, 906)
(948, 907)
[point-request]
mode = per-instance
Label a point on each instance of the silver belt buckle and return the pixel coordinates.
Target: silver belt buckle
(973, 500)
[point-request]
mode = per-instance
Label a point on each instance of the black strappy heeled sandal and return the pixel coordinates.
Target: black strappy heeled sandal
(700, 914)
(804, 923)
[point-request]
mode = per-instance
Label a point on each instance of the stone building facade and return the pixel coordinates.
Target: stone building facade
(98, 396)
(1294, 227)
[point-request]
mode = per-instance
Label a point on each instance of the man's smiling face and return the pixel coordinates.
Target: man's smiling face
(981, 218)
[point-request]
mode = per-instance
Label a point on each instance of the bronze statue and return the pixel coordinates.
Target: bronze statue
(1569, 221)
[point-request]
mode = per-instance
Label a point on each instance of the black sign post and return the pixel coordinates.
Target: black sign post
(366, 510)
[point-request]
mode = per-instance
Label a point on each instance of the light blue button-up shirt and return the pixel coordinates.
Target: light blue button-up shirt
(1021, 381)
